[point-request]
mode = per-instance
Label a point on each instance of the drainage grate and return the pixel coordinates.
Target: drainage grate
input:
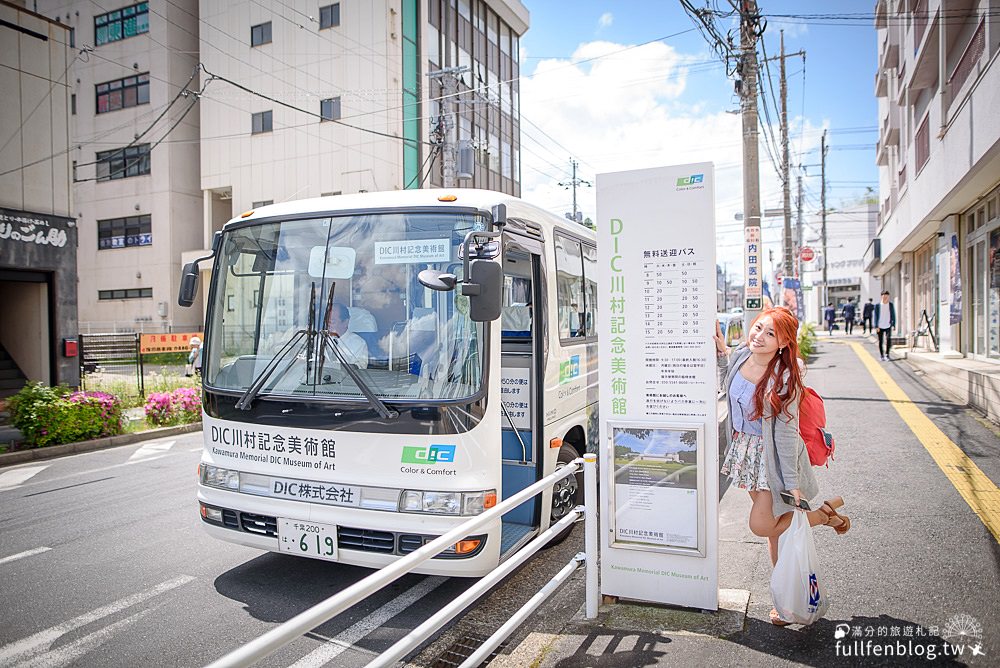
(462, 649)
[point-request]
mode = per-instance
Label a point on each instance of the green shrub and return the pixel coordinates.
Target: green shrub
(52, 415)
(807, 340)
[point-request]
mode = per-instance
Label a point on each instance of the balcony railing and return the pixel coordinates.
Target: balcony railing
(973, 52)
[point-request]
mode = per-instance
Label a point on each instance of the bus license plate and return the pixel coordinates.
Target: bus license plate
(307, 539)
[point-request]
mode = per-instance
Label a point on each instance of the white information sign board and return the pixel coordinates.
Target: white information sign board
(659, 427)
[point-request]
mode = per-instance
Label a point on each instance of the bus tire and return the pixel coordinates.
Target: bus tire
(567, 494)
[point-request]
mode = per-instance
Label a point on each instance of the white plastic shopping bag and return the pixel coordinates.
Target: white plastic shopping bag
(796, 586)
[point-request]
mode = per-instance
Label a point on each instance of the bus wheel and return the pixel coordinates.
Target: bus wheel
(567, 494)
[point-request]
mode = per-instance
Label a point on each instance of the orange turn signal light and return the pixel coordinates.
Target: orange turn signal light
(556, 443)
(489, 500)
(447, 198)
(246, 214)
(467, 546)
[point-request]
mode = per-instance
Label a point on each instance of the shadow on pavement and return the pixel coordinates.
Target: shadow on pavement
(648, 649)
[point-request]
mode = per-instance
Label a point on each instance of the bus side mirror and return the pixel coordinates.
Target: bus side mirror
(189, 284)
(484, 288)
(437, 280)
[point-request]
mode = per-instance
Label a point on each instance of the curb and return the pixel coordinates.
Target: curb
(51, 452)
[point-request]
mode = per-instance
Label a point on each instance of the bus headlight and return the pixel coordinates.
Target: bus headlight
(213, 476)
(447, 503)
(437, 503)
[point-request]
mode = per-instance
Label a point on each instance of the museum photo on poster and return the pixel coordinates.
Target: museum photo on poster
(656, 485)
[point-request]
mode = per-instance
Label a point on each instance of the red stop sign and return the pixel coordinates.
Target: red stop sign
(807, 254)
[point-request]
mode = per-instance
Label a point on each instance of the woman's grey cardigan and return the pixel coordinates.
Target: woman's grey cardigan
(785, 454)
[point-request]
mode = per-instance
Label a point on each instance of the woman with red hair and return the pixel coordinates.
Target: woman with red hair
(766, 456)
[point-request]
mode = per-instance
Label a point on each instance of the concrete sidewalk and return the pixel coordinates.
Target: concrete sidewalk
(917, 564)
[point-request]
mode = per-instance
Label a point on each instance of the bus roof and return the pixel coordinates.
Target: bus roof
(465, 198)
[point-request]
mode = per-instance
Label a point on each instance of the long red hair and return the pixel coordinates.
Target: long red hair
(782, 380)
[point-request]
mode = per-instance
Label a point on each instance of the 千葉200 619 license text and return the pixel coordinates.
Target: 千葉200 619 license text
(307, 539)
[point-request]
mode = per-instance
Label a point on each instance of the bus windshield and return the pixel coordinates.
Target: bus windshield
(293, 300)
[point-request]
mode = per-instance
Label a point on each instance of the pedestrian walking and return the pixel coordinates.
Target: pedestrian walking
(829, 315)
(849, 312)
(866, 317)
(194, 357)
(885, 321)
(766, 455)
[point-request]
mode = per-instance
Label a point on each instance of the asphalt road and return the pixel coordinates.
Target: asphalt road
(104, 563)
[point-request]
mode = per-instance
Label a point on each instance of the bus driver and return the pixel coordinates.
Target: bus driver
(353, 347)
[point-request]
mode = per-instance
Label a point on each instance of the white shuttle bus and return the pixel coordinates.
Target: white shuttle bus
(380, 367)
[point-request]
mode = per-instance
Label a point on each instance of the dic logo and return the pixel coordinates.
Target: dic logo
(434, 454)
(690, 180)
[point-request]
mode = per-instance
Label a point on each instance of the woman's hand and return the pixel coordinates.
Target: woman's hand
(798, 497)
(720, 343)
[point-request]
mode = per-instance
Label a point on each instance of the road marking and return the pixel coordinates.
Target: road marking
(152, 450)
(18, 652)
(17, 477)
(343, 642)
(22, 555)
(198, 449)
(66, 655)
(975, 487)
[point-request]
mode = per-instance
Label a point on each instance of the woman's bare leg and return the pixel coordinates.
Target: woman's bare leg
(764, 524)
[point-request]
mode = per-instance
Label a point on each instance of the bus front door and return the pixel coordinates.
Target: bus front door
(520, 389)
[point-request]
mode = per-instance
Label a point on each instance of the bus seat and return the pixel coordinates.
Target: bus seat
(516, 320)
(362, 320)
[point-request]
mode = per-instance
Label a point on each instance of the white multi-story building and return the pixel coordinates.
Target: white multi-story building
(134, 130)
(937, 248)
(287, 101)
(310, 100)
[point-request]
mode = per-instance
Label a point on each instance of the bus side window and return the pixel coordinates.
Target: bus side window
(570, 300)
(590, 296)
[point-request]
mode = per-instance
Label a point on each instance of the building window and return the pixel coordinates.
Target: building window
(122, 163)
(72, 104)
(922, 144)
(125, 232)
(72, 38)
(128, 293)
(263, 202)
(121, 93)
(329, 109)
(121, 24)
(329, 16)
(261, 122)
(260, 34)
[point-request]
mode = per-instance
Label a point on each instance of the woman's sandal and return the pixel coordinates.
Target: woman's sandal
(840, 523)
(776, 619)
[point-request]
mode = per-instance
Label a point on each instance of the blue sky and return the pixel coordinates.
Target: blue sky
(667, 103)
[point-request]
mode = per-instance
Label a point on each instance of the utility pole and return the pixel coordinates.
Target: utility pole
(751, 164)
(449, 125)
(822, 204)
(573, 184)
(798, 234)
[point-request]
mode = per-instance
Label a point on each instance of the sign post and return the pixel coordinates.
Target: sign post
(659, 385)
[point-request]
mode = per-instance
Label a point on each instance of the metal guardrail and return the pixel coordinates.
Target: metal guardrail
(322, 612)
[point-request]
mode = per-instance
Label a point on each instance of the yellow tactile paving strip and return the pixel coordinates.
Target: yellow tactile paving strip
(975, 487)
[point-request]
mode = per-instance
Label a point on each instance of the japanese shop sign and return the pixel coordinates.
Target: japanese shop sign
(658, 391)
(167, 343)
(752, 270)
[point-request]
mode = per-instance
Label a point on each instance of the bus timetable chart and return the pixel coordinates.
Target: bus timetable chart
(673, 294)
(675, 302)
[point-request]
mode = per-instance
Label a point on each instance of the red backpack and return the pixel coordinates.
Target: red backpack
(812, 427)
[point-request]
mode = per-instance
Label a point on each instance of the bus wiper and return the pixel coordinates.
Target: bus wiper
(246, 400)
(379, 405)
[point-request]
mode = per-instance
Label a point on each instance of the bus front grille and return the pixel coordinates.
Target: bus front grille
(366, 540)
(262, 525)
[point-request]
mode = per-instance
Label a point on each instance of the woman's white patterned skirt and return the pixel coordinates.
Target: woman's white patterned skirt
(744, 463)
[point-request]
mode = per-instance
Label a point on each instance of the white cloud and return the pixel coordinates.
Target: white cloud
(607, 18)
(628, 110)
